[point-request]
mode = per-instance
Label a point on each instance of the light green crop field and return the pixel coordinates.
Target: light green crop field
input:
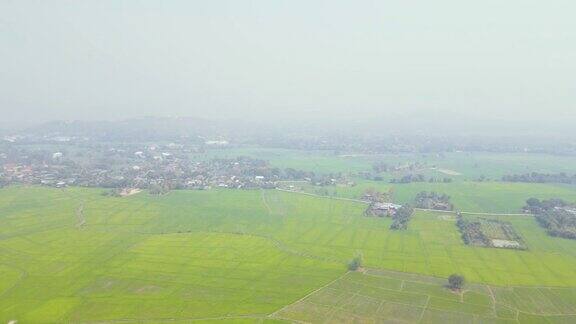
(463, 168)
(383, 296)
(485, 197)
(316, 161)
(456, 165)
(73, 255)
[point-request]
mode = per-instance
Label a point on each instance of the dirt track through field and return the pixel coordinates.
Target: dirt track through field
(80, 217)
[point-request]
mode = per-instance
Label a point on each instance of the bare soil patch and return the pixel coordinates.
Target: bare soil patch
(449, 172)
(129, 192)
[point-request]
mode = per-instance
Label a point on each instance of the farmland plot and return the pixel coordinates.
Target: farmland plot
(385, 296)
(245, 255)
(487, 232)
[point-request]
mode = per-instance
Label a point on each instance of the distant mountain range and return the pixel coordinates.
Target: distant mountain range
(137, 129)
(393, 134)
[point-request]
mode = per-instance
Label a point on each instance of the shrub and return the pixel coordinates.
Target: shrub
(401, 218)
(355, 264)
(456, 282)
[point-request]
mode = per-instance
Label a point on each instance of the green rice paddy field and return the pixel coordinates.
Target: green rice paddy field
(457, 165)
(486, 197)
(464, 168)
(73, 255)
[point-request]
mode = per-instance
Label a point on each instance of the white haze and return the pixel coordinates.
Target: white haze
(463, 64)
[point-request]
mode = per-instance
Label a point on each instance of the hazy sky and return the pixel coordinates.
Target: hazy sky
(112, 59)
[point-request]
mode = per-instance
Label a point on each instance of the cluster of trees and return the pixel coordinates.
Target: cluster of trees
(293, 174)
(111, 193)
(158, 189)
(560, 222)
(456, 282)
(536, 177)
(555, 215)
(409, 178)
(537, 206)
(443, 180)
(375, 196)
(373, 177)
(381, 167)
(471, 232)
(369, 175)
(355, 263)
(326, 179)
(433, 200)
(401, 218)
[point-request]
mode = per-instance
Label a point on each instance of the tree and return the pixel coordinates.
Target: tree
(533, 202)
(355, 263)
(401, 218)
(157, 189)
(456, 282)
(373, 195)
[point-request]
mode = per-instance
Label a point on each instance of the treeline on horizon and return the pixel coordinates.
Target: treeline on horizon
(344, 138)
(536, 177)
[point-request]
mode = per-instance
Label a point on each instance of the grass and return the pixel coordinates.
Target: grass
(111, 269)
(243, 255)
(383, 295)
(487, 197)
(376, 295)
(469, 165)
(316, 161)
(467, 194)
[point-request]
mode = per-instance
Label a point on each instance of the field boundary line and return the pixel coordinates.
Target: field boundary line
(489, 214)
(493, 297)
(172, 319)
(415, 292)
(407, 280)
(424, 309)
(264, 196)
(80, 216)
(442, 298)
(288, 319)
(538, 290)
(338, 307)
(368, 297)
(266, 203)
(279, 244)
(22, 275)
(476, 284)
(309, 294)
(321, 196)
(282, 246)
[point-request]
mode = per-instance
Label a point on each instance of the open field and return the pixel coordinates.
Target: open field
(379, 296)
(485, 197)
(229, 254)
(462, 167)
(110, 269)
(316, 161)
(458, 165)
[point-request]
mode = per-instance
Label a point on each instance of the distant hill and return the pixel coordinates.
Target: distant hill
(137, 129)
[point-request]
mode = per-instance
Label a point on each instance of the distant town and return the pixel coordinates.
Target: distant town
(155, 167)
(162, 154)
